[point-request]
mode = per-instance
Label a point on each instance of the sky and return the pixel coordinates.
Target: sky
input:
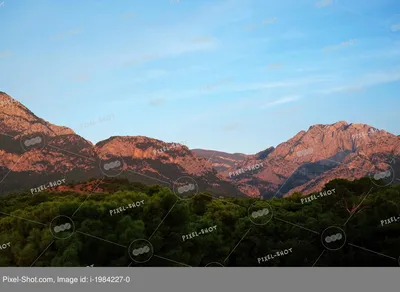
(227, 75)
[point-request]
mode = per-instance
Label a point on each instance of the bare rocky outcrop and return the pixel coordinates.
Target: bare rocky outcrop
(345, 150)
(304, 163)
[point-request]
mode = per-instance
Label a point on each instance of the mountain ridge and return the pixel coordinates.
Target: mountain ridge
(149, 160)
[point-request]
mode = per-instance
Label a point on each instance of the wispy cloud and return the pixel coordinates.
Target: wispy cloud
(308, 69)
(368, 80)
(172, 94)
(324, 3)
(277, 84)
(64, 35)
(281, 100)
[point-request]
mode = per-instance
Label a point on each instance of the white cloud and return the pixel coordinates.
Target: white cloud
(269, 85)
(182, 47)
(173, 94)
(279, 101)
(308, 69)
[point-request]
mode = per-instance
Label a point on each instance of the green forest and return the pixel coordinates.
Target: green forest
(203, 230)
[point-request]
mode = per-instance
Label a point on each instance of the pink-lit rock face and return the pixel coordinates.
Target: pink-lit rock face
(321, 142)
(358, 146)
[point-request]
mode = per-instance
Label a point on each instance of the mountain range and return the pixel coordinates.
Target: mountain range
(34, 152)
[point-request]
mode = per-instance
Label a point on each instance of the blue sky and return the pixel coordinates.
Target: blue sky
(234, 76)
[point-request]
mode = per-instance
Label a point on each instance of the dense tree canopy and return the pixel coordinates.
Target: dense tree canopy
(102, 233)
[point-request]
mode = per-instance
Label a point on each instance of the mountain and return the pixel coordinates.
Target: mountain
(35, 152)
(221, 161)
(309, 160)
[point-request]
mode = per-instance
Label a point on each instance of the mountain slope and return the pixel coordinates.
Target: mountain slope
(35, 152)
(309, 160)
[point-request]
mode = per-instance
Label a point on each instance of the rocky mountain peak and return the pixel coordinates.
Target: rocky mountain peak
(15, 119)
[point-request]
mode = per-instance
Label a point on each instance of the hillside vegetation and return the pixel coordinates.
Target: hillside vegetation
(102, 233)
